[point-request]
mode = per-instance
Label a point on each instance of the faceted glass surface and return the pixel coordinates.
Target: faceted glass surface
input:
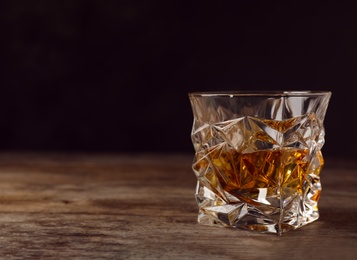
(258, 158)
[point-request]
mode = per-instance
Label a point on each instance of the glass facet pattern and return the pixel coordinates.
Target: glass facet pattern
(258, 158)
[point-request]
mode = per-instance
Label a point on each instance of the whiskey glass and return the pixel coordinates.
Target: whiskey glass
(258, 158)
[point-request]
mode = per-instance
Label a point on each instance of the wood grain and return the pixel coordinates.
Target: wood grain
(142, 206)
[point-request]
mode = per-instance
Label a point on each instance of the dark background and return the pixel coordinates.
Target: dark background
(114, 75)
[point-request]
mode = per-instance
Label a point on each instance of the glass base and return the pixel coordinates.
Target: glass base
(257, 217)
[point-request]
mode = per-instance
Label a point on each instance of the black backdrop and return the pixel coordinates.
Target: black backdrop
(114, 75)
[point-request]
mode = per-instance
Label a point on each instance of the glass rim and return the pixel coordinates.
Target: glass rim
(260, 93)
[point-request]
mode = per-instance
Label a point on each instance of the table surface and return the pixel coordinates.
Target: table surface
(142, 206)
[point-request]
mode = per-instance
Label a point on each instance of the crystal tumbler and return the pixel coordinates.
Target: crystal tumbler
(258, 158)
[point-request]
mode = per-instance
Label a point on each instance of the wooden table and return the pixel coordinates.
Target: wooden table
(142, 206)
